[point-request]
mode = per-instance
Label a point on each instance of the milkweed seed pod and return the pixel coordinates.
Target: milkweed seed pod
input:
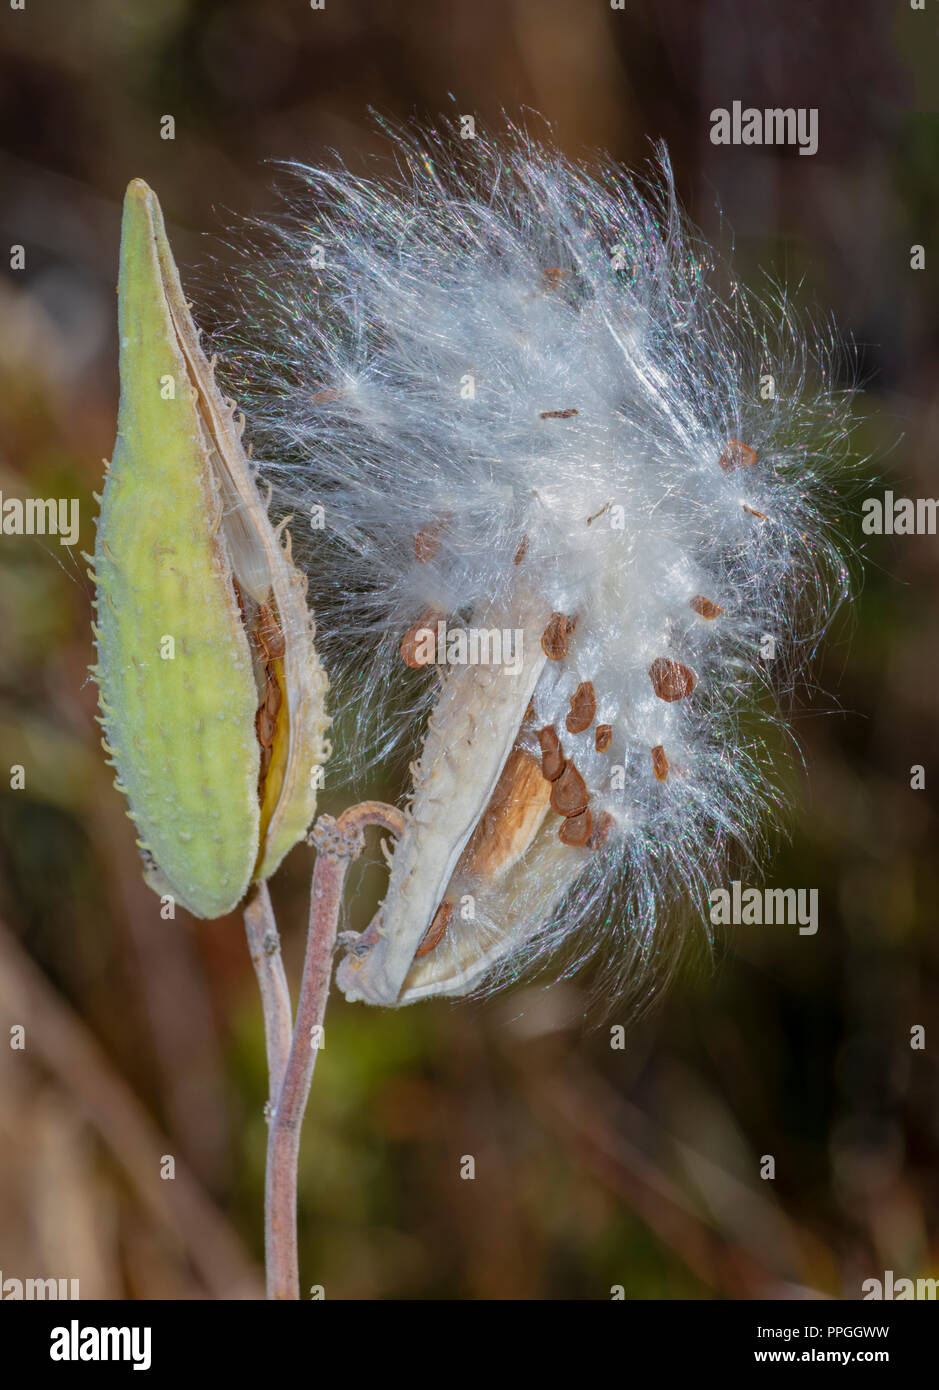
(212, 696)
(571, 490)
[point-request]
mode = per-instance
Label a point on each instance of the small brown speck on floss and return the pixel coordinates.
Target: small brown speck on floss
(706, 607)
(603, 737)
(737, 455)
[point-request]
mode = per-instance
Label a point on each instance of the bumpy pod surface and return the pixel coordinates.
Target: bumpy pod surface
(212, 697)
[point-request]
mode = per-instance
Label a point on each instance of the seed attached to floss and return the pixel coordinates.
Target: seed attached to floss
(552, 754)
(583, 708)
(436, 929)
(399, 306)
(706, 607)
(576, 830)
(554, 639)
(737, 455)
(601, 831)
(671, 680)
(569, 795)
(417, 644)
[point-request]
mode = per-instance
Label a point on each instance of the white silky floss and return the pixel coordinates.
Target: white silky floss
(514, 389)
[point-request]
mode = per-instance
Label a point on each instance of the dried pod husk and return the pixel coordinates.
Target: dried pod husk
(471, 734)
(479, 832)
(212, 697)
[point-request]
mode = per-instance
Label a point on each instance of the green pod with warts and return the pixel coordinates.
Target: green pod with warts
(212, 697)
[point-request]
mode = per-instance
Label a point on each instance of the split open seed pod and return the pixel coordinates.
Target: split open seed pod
(211, 693)
(517, 382)
(484, 850)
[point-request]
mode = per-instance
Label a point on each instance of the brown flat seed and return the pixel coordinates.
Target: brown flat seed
(269, 634)
(737, 455)
(522, 550)
(557, 414)
(671, 680)
(273, 697)
(553, 276)
(554, 639)
(569, 795)
(753, 512)
(576, 829)
(266, 755)
(436, 929)
(552, 754)
(518, 805)
(603, 737)
(326, 396)
(659, 763)
(416, 637)
(601, 831)
(583, 708)
(264, 725)
(705, 606)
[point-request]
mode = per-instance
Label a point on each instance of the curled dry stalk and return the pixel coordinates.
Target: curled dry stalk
(291, 1050)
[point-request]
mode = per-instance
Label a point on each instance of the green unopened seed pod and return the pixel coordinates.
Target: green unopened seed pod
(212, 697)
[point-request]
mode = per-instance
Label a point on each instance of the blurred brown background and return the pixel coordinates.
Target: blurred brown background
(595, 1167)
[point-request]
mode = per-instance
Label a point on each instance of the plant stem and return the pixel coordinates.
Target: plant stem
(264, 946)
(337, 843)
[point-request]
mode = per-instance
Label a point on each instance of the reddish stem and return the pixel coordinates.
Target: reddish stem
(337, 844)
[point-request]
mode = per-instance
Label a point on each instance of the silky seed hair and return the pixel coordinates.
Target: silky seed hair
(493, 367)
